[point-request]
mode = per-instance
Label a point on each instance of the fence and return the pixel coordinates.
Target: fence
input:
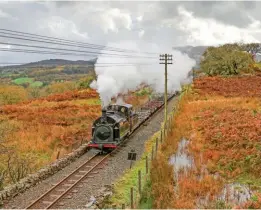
(135, 192)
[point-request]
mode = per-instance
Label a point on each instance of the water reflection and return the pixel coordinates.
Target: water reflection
(236, 193)
(232, 194)
(182, 160)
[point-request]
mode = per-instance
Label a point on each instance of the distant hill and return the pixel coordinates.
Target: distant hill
(62, 62)
(53, 62)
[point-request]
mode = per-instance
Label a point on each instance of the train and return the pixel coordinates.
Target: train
(115, 124)
(118, 121)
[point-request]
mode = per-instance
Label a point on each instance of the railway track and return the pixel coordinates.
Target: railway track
(87, 170)
(66, 186)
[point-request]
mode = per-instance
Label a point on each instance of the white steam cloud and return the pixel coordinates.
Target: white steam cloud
(113, 79)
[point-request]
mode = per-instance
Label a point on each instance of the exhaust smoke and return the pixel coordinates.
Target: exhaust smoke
(113, 80)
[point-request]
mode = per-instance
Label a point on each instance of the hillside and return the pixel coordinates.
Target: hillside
(43, 73)
(51, 62)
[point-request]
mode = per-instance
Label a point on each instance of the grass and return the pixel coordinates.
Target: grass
(36, 84)
(23, 80)
(122, 187)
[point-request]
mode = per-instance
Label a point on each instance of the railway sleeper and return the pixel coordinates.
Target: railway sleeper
(67, 185)
(79, 175)
(47, 202)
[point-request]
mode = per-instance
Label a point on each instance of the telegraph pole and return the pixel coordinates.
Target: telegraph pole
(166, 58)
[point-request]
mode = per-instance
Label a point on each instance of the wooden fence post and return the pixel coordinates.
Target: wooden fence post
(157, 144)
(152, 153)
(160, 135)
(132, 203)
(58, 155)
(139, 175)
(147, 165)
(123, 206)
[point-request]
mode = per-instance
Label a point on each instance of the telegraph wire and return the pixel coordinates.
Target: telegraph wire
(60, 53)
(53, 40)
(64, 49)
(95, 66)
(66, 40)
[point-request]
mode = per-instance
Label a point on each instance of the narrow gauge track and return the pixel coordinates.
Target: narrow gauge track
(61, 189)
(89, 168)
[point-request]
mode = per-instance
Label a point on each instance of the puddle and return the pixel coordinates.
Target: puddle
(236, 193)
(181, 160)
(233, 194)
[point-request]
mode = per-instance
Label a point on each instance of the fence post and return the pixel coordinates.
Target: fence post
(58, 155)
(139, 175)
(152, 153)
(147, 165)
(160, 135)
(132, 203)
(157, 143)
(123, 206)
(164, 134)
(168, 126)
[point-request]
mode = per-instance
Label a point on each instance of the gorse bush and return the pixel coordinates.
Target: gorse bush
(10, 94)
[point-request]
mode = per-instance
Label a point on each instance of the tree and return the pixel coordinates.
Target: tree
(252, 48)
(85, 82)
(10, 94)
(34, 92)
(228, 59)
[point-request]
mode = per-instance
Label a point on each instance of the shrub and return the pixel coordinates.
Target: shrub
(226, 60)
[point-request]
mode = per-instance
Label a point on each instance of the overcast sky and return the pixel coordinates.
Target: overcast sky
(164, 23)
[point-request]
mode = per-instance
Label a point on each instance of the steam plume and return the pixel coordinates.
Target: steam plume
(113, 80)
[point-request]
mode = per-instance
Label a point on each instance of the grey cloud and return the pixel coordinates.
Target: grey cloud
(87, 18)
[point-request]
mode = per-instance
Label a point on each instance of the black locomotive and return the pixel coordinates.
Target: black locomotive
(115, 124)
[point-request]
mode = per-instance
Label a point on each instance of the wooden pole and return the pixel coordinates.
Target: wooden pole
(166, 87)
(157, 144)
(147, 165)
(58, 155)
(166, 58)
(160, 136)
(139, 176)
(132, 202)
(152, 153)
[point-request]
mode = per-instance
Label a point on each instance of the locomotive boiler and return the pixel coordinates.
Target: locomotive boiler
(115, 124)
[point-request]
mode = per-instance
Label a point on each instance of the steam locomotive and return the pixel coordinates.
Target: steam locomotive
(115, 125)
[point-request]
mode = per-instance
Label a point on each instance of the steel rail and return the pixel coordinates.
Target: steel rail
(66, 178)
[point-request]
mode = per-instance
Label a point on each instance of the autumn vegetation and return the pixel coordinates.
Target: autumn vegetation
(39, 124)
(220, 116)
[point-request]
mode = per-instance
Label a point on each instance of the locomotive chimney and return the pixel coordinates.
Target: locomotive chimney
(104, 114)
